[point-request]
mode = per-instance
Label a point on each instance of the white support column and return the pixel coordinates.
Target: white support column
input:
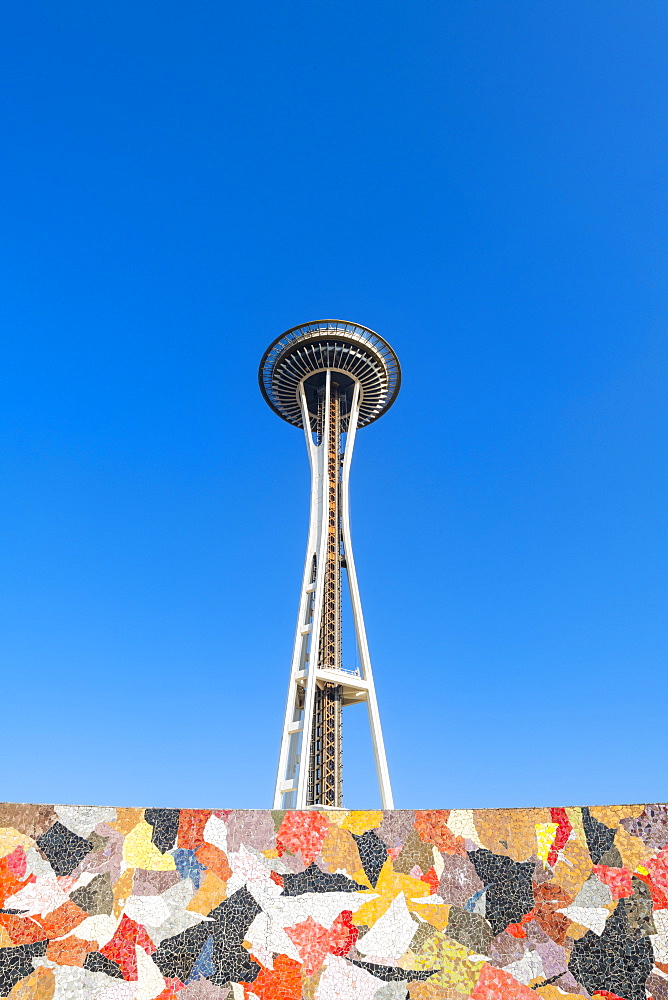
(318, 488)
(301, 636)
(358, 617)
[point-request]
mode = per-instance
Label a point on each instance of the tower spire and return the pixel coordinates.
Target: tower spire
(329, 377)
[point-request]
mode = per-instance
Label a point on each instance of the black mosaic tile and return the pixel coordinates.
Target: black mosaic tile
(95, 962)
(315, 880)
(16, 964)
(509, 892)
(63, 848)
(600, 837)
(373, 854)
(165, 823)
(618, 961)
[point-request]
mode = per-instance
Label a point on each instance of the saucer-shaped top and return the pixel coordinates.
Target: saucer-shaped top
(353, 353)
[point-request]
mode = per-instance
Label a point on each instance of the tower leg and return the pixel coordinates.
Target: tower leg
(382, 770)
(291, 752)
(320, 503)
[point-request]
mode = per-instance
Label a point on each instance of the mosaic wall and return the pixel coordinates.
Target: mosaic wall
(156, 904)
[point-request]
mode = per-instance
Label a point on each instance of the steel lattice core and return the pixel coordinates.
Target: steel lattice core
(329, 378)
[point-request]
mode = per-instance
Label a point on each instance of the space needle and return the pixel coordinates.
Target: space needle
(330, 378)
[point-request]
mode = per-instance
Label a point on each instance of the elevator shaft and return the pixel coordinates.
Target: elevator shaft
(326, 759)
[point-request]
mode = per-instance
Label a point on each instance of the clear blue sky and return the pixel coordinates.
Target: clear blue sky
(483, 183)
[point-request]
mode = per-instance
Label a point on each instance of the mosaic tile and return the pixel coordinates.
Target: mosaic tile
(63, 848)
(373, 854)
(99, 903)
(95, 897)
(165, 823)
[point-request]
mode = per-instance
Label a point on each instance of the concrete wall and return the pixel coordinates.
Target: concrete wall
(118, 904)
